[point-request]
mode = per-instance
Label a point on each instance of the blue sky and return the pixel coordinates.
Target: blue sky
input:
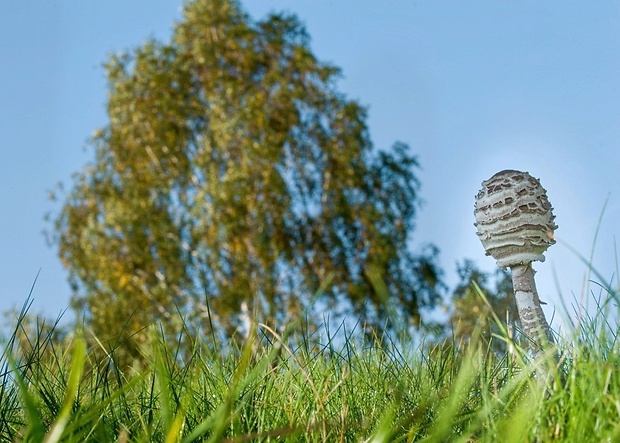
(474, 87)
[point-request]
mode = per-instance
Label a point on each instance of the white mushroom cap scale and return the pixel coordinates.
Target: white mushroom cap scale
(514, 218)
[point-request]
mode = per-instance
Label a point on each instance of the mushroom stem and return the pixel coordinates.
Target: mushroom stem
(533, 320)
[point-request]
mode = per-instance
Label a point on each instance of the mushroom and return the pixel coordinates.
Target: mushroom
(515, 225)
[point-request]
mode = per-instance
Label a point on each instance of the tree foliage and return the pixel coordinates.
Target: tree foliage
(471, 315)
(233, 175)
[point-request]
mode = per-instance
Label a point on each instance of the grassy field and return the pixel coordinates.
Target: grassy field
(314, 389)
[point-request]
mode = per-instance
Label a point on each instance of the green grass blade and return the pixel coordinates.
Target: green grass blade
(36, 428)
(75, 376)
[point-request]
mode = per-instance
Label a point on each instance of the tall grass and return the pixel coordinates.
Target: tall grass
(287, 387)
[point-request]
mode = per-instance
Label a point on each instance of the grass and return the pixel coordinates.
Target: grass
(291, 387)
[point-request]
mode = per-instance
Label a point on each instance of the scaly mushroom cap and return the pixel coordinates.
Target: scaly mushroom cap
(514, 218)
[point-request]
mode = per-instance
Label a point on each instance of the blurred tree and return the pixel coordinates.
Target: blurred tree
(470, 312)
(233, 176)
(32, 338)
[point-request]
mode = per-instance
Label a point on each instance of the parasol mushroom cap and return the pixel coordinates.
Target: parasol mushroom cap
(514, 218)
